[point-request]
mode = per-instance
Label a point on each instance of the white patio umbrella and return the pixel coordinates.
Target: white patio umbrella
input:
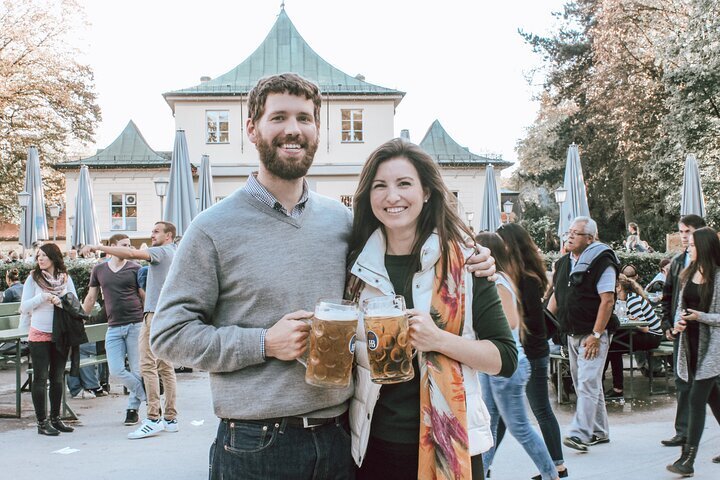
(490, 219)
(85, 230)
(181, 207)
(33, 224)
(692, 201)
(575, 204)
(205, 185)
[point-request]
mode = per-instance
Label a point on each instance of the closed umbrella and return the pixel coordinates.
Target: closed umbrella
(85, 230)
(490, 211)
(205, 185)
(181, 207)
(691, 201)
(575, 204)
(33, 225)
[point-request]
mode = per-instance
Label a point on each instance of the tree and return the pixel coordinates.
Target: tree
(46, 94)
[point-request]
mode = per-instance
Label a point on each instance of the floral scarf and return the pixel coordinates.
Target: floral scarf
(55, 285)
(444, 450)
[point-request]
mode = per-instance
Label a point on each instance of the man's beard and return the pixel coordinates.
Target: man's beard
(283, 168)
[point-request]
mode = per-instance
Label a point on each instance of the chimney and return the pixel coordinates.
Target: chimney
(360, 77)
(405, 134)
(204, 79)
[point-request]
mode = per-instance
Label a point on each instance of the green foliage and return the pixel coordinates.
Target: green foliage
(79, 271)
(538, 229)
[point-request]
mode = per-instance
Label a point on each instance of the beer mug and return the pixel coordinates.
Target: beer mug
(332, 344)
(388, 342)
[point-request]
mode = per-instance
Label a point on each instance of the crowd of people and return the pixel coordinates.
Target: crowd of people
(477, 322)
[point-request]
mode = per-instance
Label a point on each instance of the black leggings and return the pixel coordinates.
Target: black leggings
(702, 392)
(48, 364)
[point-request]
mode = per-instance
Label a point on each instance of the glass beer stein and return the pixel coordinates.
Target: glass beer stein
(388, 342)
(331, 344)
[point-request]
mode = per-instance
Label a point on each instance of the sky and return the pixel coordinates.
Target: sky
(462, 62)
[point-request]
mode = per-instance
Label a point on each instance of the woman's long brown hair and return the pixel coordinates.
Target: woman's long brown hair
(707, 261)
(439, 213)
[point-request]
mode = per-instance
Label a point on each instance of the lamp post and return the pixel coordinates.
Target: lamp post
(71, 220)
(470, 216)
(54, 214)
(161, 190)
(24, 201)
(507, 208)
(560, 196)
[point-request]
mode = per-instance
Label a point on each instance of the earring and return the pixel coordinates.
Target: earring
(426, 200)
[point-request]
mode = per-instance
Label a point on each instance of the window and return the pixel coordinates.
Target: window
(123, 211)
(217, 199)
(454, 202)
(217, 126)
(347, 200)
(352, 126)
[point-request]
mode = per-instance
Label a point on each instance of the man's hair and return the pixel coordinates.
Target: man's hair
(290, 83)
(168, 227)
(116, 238)
(590, 225)
(692, 220)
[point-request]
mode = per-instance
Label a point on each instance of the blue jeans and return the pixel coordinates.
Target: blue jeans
(120, 341)
(261, 450)
(505, 397)
(88, 378)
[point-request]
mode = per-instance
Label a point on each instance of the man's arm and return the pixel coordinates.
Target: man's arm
(607, 304)
(90, 299)
(182, 329)
(125, 253)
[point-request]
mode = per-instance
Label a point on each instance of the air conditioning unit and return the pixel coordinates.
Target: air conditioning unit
(130, 199)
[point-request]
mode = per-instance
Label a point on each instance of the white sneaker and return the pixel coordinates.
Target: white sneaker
(147, 429)
(84, 394)
(171, 425)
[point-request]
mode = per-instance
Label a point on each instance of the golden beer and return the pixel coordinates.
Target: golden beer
(332, 346)
(388, 343)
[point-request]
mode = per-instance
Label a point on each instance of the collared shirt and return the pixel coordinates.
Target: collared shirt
(258, 190)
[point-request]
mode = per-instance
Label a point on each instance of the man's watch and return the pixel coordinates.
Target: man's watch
(597, 334)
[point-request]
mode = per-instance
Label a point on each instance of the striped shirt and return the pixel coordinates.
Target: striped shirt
(639, 308)
(257, 190)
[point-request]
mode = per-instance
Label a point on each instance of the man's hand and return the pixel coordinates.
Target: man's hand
(592, 347)
(87, 249)
(287, 339)
(669, 334)
(481, 264)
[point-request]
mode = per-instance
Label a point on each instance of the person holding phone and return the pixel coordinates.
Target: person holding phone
(698, 322)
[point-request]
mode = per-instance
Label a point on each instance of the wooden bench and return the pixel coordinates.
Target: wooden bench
(95, 333)
(665, 353)
(10, 319)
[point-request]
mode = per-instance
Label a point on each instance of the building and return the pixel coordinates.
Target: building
(356, 117)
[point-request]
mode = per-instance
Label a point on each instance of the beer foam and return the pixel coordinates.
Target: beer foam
(384, 312)
(336, 314)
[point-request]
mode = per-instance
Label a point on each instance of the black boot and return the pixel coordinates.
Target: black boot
(44, 428)
(684, 465)
(60, 426)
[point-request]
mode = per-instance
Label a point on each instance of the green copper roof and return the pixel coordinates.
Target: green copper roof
(128, 150)
(447, 152)
(284, 50)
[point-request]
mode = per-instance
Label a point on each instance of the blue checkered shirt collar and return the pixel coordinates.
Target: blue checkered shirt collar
(257, 190)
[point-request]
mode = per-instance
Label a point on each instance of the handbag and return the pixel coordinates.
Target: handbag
(552, 326)
(71, 304)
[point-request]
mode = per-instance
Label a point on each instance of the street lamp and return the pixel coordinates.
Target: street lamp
(24, 200)
(54, 214)
(507, 208)
(470, 216)
(560, 195)
(161, 190)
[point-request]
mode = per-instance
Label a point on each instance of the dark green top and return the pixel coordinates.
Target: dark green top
(396, 417)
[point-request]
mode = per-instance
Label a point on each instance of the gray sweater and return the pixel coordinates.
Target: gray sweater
(240, 267)
(708, 364)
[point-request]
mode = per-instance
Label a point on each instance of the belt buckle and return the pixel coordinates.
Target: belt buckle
(308, 425)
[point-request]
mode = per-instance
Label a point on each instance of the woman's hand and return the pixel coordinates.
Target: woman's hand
(690, 315)
(425, 336)
(679, 327)
(50, 298)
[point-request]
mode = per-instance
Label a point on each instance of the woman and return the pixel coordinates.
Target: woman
(43, 288)
(530, 275)
(698, 320)
(505, 397)
(15, 288)
(644, 338)
(407, 239)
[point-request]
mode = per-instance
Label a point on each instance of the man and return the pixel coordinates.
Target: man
(270, 248)
(160, 255)
(583, 302)
(671, 291)
(124, 308)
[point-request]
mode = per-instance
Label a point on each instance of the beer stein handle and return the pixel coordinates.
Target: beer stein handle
(303, 359)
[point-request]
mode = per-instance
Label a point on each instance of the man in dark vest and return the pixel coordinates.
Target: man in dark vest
(583, 301)
(671, 290)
